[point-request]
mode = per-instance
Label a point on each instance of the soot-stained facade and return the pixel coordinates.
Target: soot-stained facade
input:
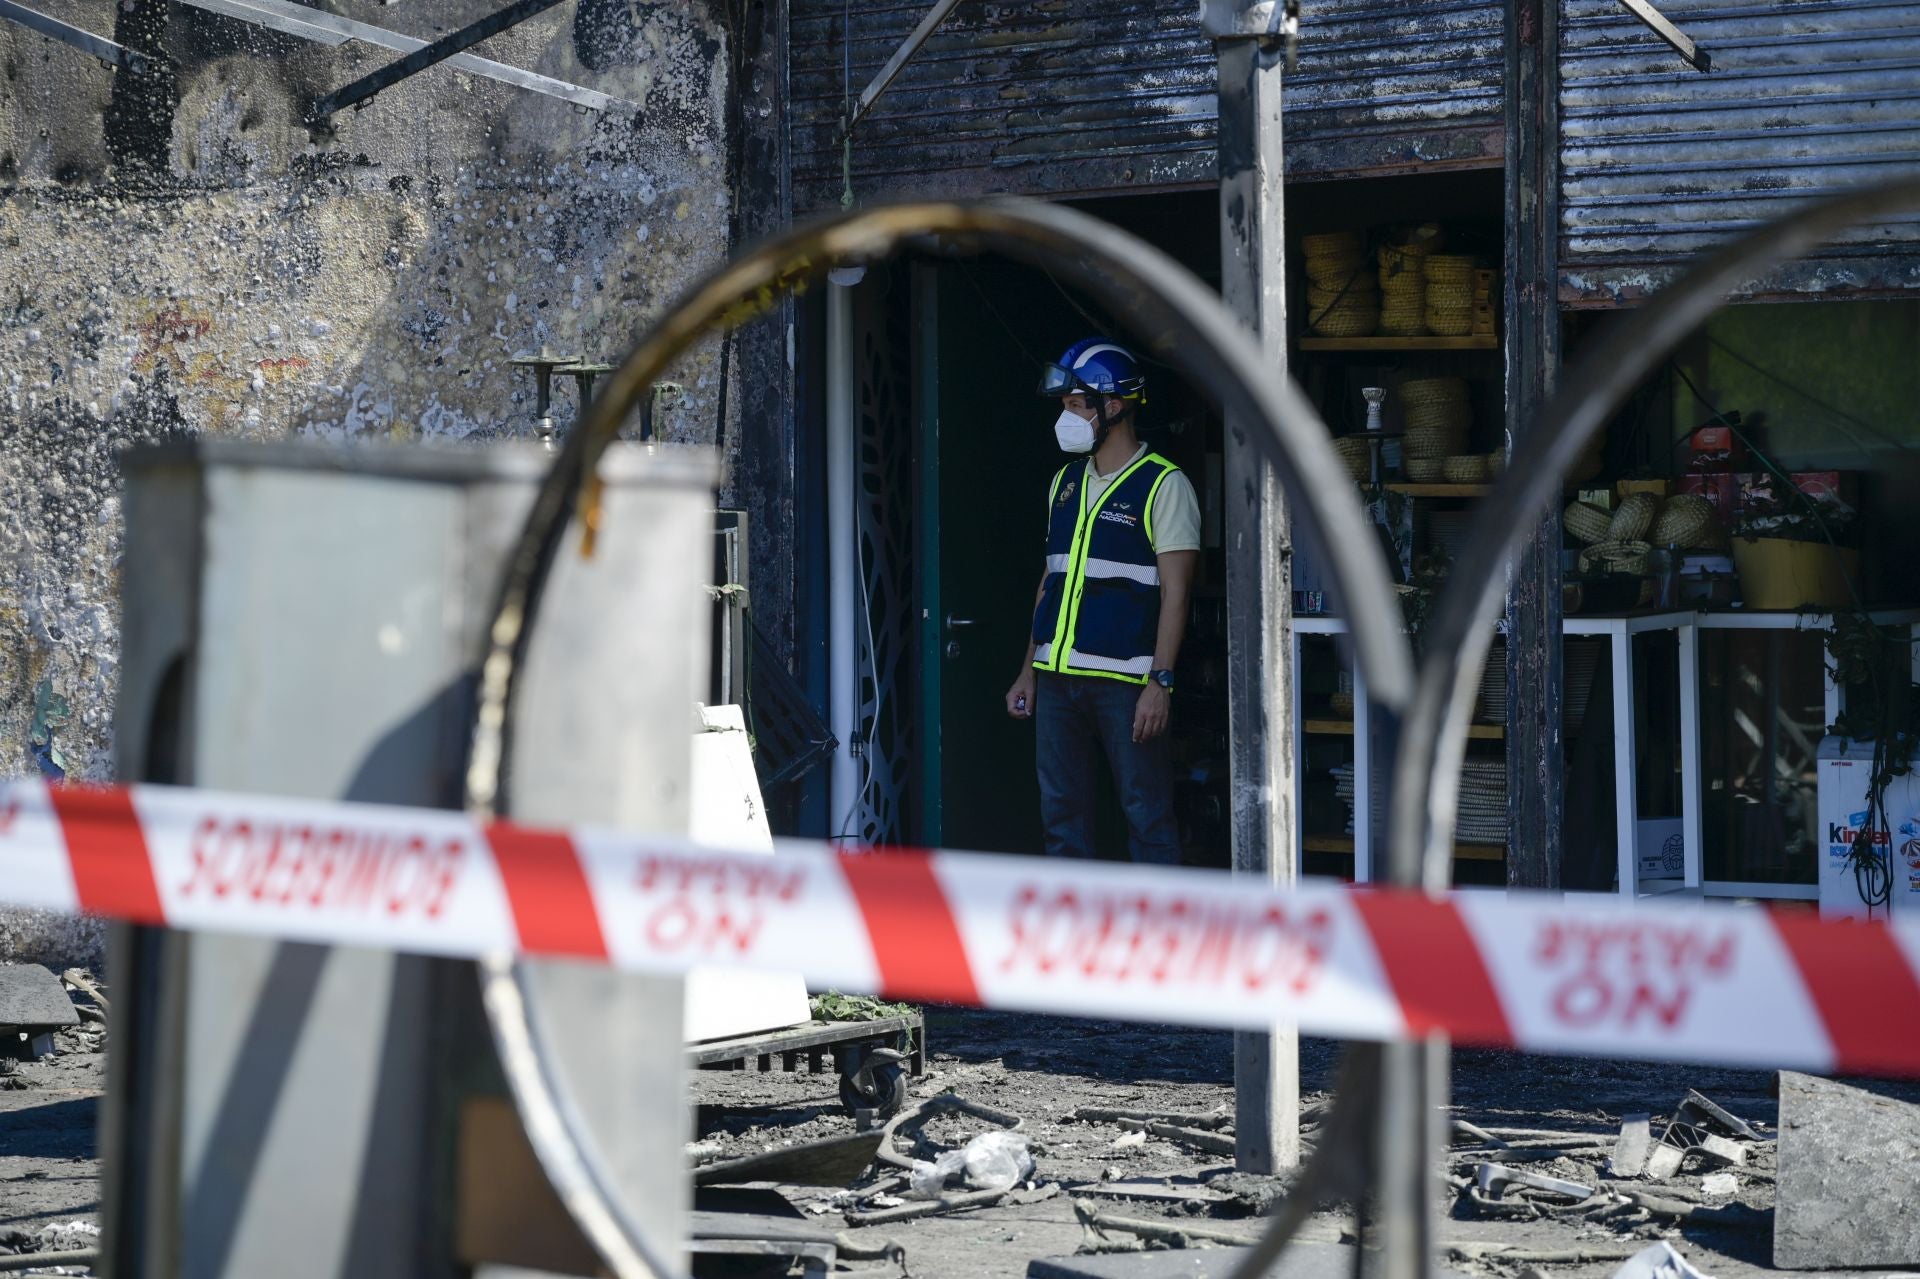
(183, 255)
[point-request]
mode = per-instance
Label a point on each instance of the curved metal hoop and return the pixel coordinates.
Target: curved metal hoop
(1433, 739)
(1180, 318)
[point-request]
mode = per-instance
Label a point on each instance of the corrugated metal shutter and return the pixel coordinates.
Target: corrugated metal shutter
(1660, 162)
(1062, 96)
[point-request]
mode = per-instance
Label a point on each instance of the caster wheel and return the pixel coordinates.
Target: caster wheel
(884, 1093)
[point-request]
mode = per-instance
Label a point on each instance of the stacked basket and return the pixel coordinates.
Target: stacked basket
(1437, 413)
(1403, 281)
(1450, 294)
(1342, 298)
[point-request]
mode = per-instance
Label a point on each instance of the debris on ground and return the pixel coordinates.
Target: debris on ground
(1635, 1143)
(990, 1161)
(34, 1006)
(1211, 1142)
(1111, 1232)
(1849, 1177)
(1658, 1261)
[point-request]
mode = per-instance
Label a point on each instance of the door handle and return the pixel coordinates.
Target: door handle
(956, 622)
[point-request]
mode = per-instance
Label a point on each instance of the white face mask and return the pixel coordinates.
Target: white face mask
(1073, 432)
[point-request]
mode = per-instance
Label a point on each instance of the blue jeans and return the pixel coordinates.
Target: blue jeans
(1077, 719)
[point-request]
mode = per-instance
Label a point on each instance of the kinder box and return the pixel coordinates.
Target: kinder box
(1845, 769)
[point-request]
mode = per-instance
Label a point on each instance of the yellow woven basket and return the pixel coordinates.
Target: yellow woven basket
(1348, 320)
(1334, 272)
(1633, 517)
(1586, 522)
(1425, 470)
(1432, 442)
(1686, 521)
(1417, 390)
(1331, 243)
(1630, 557)
(1448, 322)
(1452, 268)
(1453, 418)
(1357, 454)
(1465, 468)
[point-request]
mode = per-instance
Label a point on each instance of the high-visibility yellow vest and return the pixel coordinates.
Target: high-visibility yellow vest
(1099, 609)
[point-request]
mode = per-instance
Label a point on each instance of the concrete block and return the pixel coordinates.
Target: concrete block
(1849, 1177)
(1635, 1144)
(31, 998)
(1664, 1162)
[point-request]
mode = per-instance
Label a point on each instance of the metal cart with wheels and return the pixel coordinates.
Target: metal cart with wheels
(872, 1058)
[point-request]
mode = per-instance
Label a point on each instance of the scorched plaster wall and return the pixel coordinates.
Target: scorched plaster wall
(180, 254)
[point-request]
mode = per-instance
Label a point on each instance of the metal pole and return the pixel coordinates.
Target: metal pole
(420, 59)
(1536, 772)
(1266, 1067)
(843, 694)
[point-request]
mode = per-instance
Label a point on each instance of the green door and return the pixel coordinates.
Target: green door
(987, 458)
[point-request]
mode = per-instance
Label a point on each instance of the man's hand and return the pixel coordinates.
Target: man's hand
(1020, 696)
(1151, 712)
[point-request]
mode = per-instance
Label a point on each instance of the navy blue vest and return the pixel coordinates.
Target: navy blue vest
(1100, 604)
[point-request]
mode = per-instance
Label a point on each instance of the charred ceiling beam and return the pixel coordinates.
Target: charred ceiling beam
(1690, 53)
(363, 89)
(114, 55)
(330, 28)
(871, 94)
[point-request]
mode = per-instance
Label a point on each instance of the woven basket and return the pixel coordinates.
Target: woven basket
(1400, 264)
(1586, 522)
(1331, 243)
(1331, 273)
(1404, 290)
(1403, 321)
(1350, 319)
(1496, 464)
(1357, 454)
(1425, 470)
(1448, 322)
(1433, 441)
(1629, 557)
(1465, 468)
(1683, 521)
(1452, 268)
(1420, 390)
(1452, 418)
(1341, 704)
(1633, 517)
(1359, 293)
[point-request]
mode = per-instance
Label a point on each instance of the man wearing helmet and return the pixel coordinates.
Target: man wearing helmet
(1123, 542)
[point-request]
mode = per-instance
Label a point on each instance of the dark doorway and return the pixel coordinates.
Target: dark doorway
(982, 328)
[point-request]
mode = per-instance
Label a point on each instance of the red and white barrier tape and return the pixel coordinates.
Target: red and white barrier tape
(1547, 974)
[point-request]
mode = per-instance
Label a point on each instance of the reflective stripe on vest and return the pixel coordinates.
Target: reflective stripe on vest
(1099, 609)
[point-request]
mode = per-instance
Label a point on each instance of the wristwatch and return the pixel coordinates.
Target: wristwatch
(1163, 678)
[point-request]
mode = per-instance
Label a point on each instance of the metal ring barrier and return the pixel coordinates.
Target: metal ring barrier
(1184, 322)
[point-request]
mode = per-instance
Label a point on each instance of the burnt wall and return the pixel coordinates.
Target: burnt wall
(182, 254)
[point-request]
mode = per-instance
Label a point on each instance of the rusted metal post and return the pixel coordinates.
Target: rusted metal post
(1266, 1067)
(1536, 772)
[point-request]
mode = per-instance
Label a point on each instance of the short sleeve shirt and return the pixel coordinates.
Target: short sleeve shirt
(1176, 508)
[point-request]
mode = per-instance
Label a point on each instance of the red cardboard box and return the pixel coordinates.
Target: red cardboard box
(1720, 488)
(1715, 448)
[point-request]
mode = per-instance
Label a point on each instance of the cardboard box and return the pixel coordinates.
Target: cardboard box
(1720, 488)
(1715, 448)
(1657, 487)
